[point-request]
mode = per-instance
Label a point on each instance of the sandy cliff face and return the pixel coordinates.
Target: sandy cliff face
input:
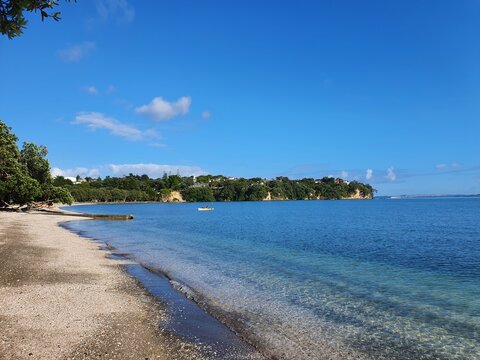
(357, 196)
(270, 197)
(174, 196)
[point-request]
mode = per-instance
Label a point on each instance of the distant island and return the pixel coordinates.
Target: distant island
(422, 196)
(210, 188)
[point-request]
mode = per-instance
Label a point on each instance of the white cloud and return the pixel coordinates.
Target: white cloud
(77, 52)
(344, 174)
(441, 166)
(82, 171)
(95, 120)
(369, 174)
(119, 10)
(391, 176)
(154, 170)
(91, 90)
(160, 109)
(206, 115)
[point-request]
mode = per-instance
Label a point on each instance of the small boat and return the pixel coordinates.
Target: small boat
(205, 208)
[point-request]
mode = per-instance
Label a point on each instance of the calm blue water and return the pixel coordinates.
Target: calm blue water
(396, 279)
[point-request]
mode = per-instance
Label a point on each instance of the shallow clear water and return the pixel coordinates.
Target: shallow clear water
(397, 279)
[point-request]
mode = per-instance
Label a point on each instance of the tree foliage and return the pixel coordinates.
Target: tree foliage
(34, 158)
(198, 194)
(12, 14)
(56, 194)
(15, 184)
(25, 175)
(207, 188)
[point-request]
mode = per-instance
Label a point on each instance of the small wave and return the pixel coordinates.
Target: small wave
(184, 289)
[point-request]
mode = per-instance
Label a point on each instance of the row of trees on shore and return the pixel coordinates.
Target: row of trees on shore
(211, 188)
(25, 179)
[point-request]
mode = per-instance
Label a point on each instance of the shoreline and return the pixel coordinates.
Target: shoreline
(193, 320)
(63, 296)
(227, 328)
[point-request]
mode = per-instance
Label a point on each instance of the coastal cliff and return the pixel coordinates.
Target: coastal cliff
(358, 196)
(173, 197)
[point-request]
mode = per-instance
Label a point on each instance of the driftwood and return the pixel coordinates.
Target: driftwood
(13, 207)
(26, 207)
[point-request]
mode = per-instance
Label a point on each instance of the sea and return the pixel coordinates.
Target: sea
(376, 279)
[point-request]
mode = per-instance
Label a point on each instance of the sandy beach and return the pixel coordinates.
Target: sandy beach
(62, 298)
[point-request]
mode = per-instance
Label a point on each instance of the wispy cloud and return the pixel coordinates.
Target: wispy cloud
(82, 171)
(206, 115)
(344, 174)
(448, 169)
(369, 174)
(120, 10)
(123, 103)
(448, 166)
(158, 145)
(91, 90)
(77, 52)
(161, 109)
(154, 170)
(391, 176)
(95, 120)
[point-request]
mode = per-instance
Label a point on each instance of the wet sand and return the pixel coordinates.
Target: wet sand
(62, 298)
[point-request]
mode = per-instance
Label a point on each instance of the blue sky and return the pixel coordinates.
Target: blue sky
(379, 91)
